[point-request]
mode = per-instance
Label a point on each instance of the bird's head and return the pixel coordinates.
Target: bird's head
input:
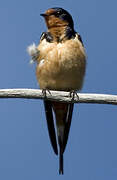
(57, 17)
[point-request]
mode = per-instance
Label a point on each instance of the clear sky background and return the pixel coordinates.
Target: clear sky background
(25, 150)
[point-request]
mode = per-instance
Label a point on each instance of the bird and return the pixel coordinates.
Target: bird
(61, 66)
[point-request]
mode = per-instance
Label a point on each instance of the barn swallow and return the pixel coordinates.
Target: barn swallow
(61, 66)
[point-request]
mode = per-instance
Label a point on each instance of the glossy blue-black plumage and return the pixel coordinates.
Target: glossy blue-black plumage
(64, 15)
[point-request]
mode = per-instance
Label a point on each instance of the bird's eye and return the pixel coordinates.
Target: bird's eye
(58, 13)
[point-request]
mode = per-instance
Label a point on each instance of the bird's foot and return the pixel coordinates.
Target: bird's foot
(72, 95)
(44, 92)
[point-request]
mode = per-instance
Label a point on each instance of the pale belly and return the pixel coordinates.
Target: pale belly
(62, 67)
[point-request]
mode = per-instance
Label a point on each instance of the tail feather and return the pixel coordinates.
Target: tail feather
(68, 124)
(63, 113)
(61, 163)
(50, 125)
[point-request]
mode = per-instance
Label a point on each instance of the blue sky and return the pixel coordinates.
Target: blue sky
(25, 150)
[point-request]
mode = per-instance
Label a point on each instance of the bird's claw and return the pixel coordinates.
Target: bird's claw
(72, 94)
(44, 92)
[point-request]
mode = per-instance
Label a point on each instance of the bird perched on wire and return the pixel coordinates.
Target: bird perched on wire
(61, 64)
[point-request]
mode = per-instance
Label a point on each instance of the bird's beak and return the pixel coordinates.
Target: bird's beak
(44, 15)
